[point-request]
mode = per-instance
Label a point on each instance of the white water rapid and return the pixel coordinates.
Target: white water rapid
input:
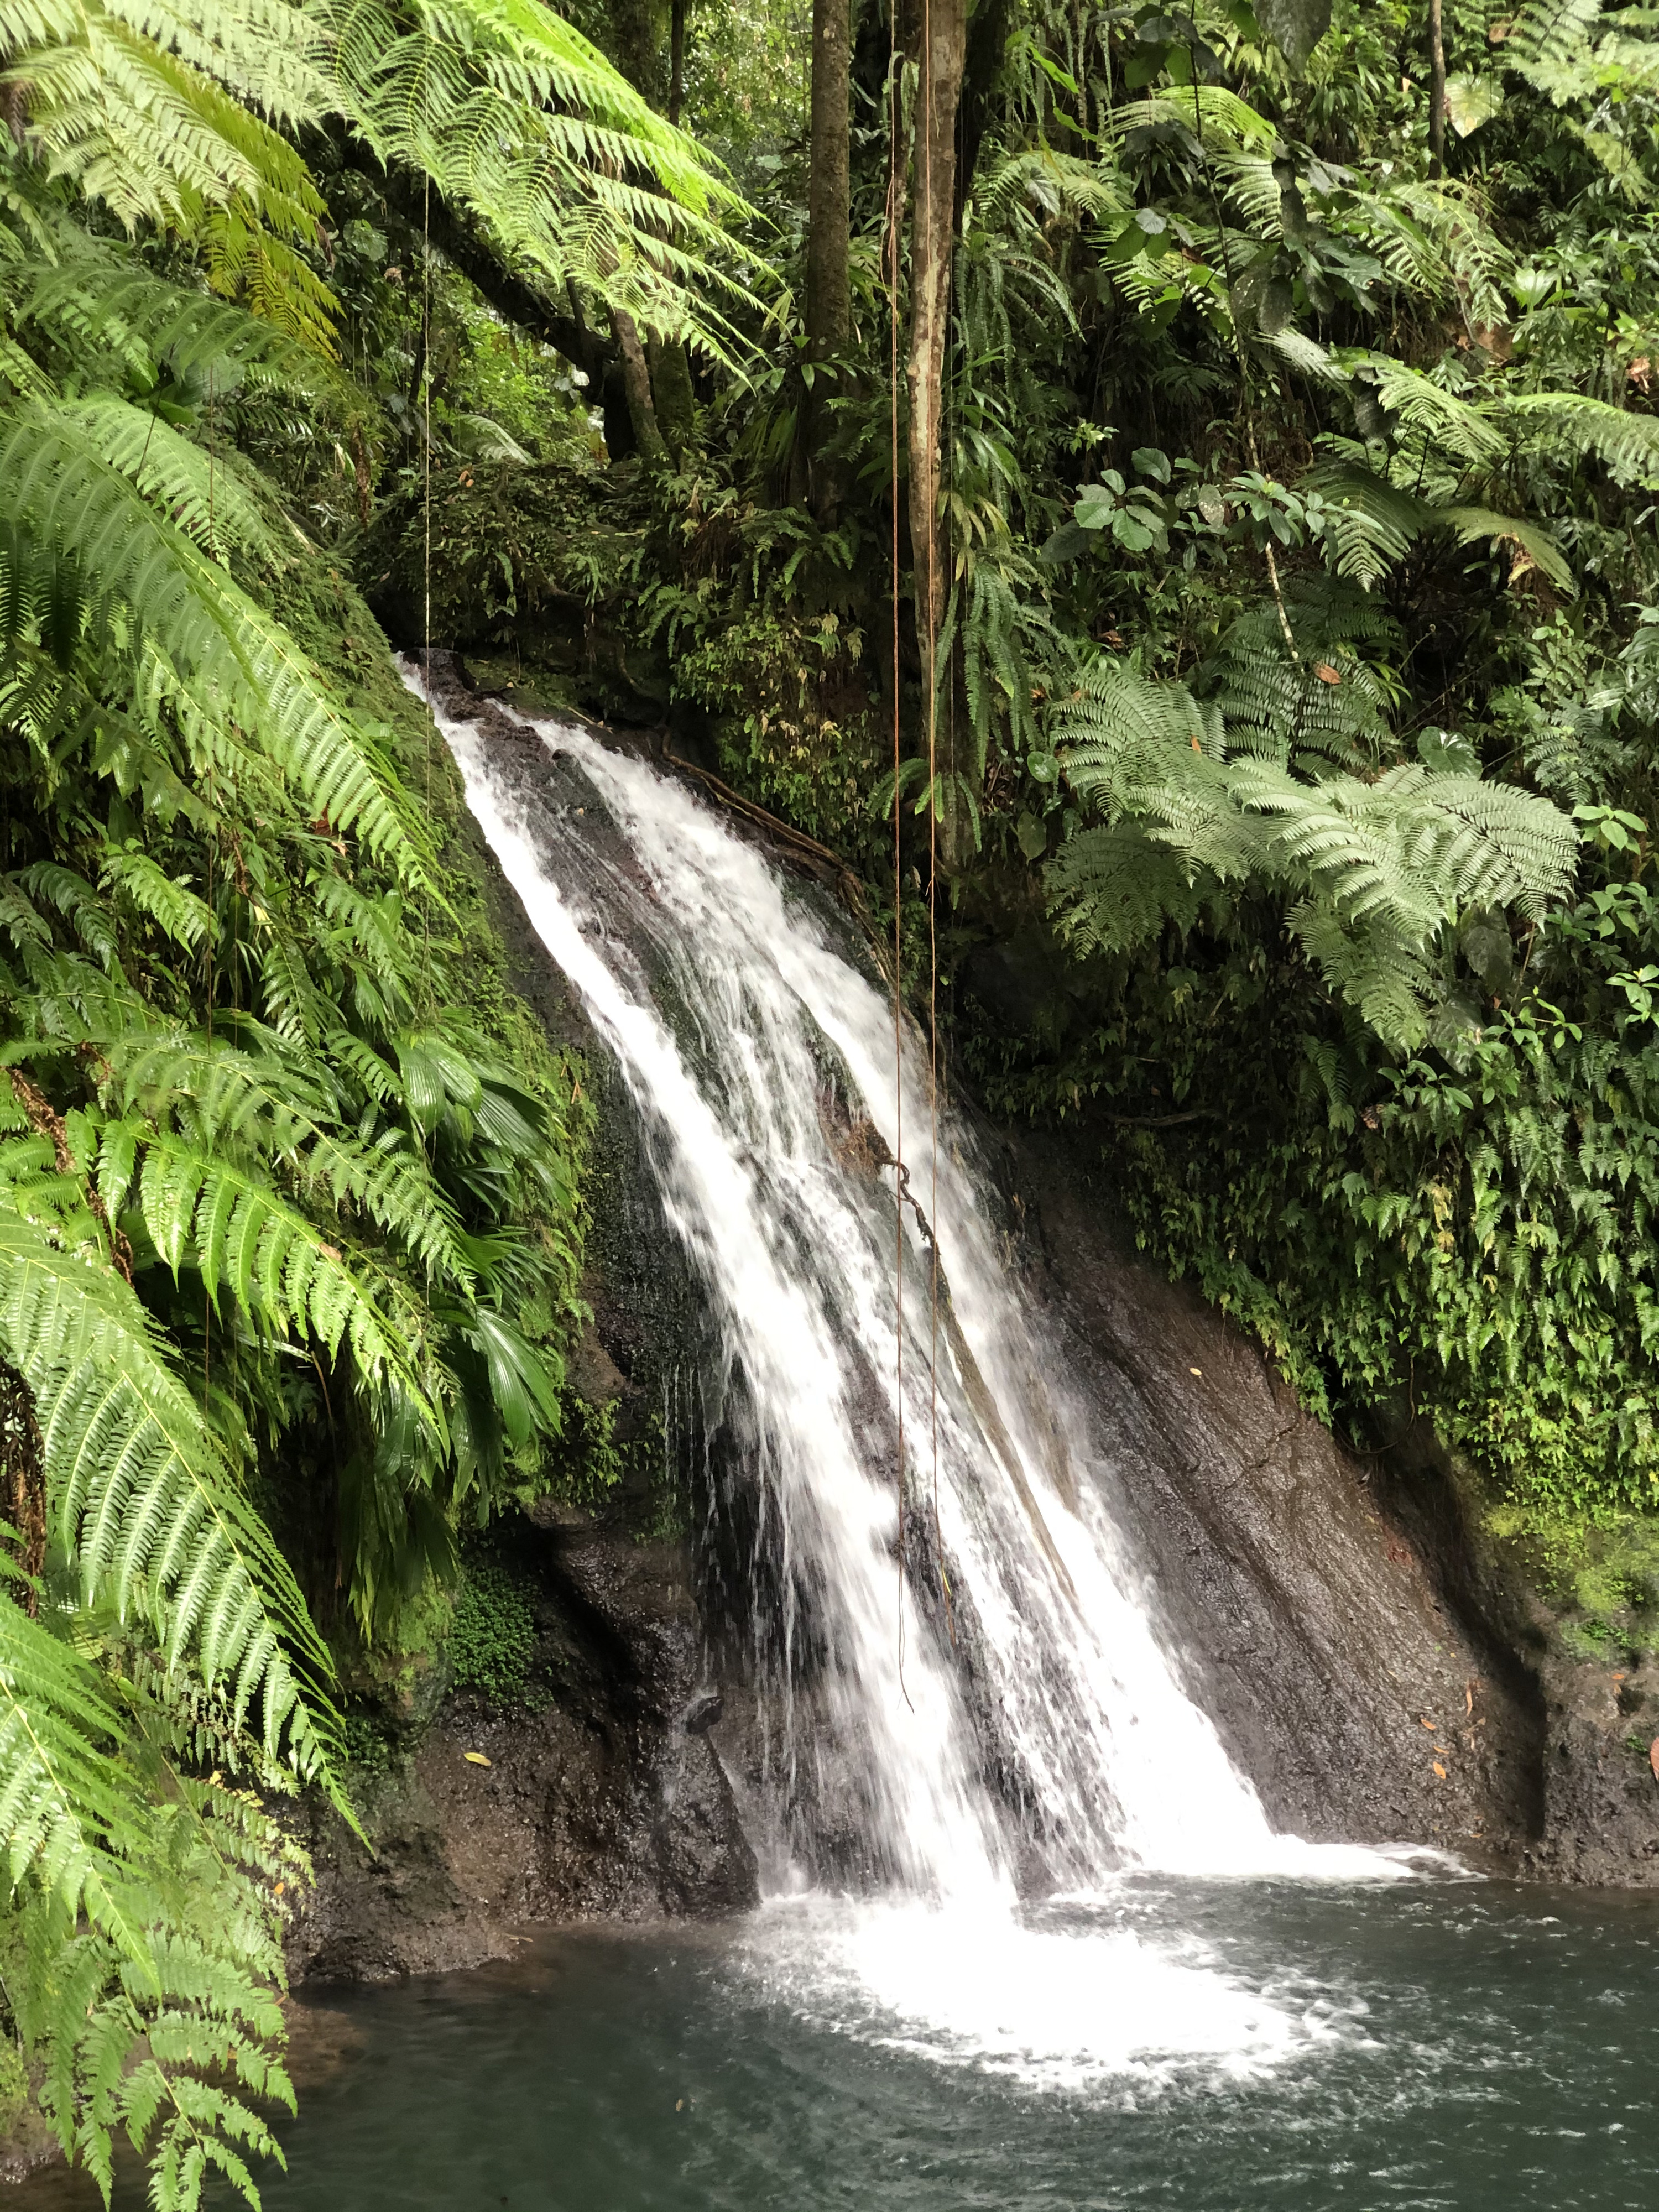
(762, 1064)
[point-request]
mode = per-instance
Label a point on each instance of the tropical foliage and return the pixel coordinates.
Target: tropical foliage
(284, 1174)
(1269, 688)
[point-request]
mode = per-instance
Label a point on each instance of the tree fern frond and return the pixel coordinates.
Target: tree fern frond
(1381, 864)
(88, 297)
(140, 1494)
(1475, 525)
(1211, 111)
(1369, 524)
(277, 1113)
(1111, 888)
(1548, 34)
(1450, 423)
(1572, 422)
(231, 657)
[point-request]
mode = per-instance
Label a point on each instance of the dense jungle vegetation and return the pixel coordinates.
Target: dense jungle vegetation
(1166, 497)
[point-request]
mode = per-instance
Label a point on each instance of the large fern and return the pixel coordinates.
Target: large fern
(139, 1494)
(1371, 867)
(145, 1905)
(177, 117)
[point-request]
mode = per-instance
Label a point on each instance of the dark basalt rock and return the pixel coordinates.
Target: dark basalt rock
(1327, 1608)
(603, 1804)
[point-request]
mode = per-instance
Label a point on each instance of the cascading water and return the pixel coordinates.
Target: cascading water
(1018, 1640)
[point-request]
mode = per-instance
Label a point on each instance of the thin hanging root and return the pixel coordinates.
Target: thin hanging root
(898, 884)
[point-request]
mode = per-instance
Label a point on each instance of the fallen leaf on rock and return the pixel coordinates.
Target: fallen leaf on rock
(1653, 1756)
(1421, 1722)
(1439, 1770)
(475, 1758)
(1194, 1370)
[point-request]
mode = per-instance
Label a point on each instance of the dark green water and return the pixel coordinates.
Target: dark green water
(1453, 2045)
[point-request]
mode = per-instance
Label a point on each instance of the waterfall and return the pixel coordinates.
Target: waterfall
(1017, 1640)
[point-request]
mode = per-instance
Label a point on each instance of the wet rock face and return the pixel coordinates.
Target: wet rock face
(1601, 1789)
(1368, 1665)
(608, 1803)
(1315, 1624)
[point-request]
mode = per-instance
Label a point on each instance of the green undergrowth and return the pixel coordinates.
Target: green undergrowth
(511, 549)
(493, 1638)
(1466, 1230)
(1600, 1579)
(14, 2100)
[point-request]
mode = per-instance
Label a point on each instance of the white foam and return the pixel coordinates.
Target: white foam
(1074, 2010)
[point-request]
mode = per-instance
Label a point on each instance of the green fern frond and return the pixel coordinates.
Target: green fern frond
(1450, 424)
(63, 1804)
(140, 1494)
(279, 1266)
(280, 1114)
(1372, 870)
(93, 300)
(150, 1932)
(1550, 34)
(1370, 524)
(1111, 889)
(1212, 113)
(518, 119)
(230, 659)
(138, 877)
(1476, 524)
(1571, 423)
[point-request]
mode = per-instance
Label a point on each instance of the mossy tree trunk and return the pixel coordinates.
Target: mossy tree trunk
(649, 441)
(932, 237)
(828, 236)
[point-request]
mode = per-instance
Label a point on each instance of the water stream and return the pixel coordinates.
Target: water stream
(776, 1097)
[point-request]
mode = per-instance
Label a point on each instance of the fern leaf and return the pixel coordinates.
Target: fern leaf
(1626, 441)
(231, 656)
(1473, 525)
(63, 1805)
(141, 1496)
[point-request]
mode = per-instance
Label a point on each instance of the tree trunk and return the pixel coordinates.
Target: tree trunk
(1436, 90)
(672, 399)
(22, 1481)
(675, 60)
(829, 230)
(944, 50)
(636, 386)
(829, 192)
